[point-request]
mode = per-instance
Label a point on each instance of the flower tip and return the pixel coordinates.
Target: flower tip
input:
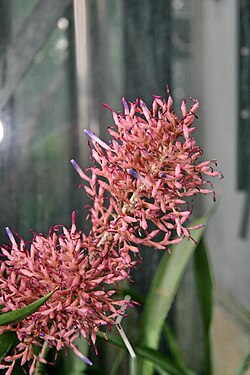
(96, 139)
(87, 361)
(75, 165)
(125, 105)
(81, 356)
(10, 235)
(73, 216)
(73, 162)
(108, 107)
(88, 132)
(133, 173)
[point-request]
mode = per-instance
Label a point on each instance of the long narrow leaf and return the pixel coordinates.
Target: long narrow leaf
(15, 316)
(163, 290)
(164, 287)
(173, 346)
(204, 287)
(160, 361)
(7, 340)
(245, 365)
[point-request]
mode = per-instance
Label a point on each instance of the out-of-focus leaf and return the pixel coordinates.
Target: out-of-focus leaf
(76, 365)
(16, 316)
(7, 340)
(135, 296)
(68, 363)
(204, 288)
(163, 290)
(245, 365)
(95, 370)
(160, 361)
(173, 346)
(116, 340)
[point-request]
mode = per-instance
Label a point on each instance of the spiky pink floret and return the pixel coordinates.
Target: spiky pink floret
(146, 176)
(71, 263)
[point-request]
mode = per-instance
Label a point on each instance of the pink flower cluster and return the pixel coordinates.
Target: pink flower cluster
(142, 182)
(141, 185)
(70, 264)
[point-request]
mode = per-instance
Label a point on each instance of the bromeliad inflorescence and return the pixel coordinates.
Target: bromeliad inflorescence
(142, 186)
(147, 176)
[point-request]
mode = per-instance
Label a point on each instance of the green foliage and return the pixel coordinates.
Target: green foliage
(162, 292)
(7, 340)
(156, 306)
(244, 366)
(204, 287)
(15, 316)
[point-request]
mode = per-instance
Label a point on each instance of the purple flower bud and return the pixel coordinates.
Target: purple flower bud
(163, 175)
(77, 167)
(125, 105)
(134, 174)
(94, 138)
(10, 235)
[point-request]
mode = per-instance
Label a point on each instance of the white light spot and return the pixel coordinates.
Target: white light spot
(62, 23)
(245, 114)
(62, 44)
(1, 131)
(245, 51)
(39, 57)
(179, 92)
(177, 4)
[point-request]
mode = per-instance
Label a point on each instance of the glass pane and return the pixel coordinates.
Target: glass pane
(20, 11)
(38, 186)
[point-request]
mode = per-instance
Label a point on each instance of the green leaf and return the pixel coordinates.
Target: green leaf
(7, 340)
(245, 365)
(163, 290)
(116, 340)
(160, 360)
(70, 363)
(204, 286)
(164, 287)
(173, 346)
(13, 317)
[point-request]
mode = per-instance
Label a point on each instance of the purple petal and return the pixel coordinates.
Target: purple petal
(94, 137)
(77, 167)
(163, 175)
(125, 105)
(10, 235)
(134, 174)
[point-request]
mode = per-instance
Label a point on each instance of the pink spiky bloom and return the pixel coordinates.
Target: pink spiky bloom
(141, 186)
(70, 263)
(142, 181)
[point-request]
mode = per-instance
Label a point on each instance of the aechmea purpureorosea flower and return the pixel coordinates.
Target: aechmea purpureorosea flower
(143, 182)
(142, 185)
(70, 262)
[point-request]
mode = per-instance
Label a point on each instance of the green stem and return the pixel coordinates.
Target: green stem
(43, 354)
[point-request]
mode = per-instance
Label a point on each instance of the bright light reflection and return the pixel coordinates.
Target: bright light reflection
(177, 4)
(1, 131)
(63, 23)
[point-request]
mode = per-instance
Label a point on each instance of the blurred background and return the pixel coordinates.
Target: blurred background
(61, 59)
